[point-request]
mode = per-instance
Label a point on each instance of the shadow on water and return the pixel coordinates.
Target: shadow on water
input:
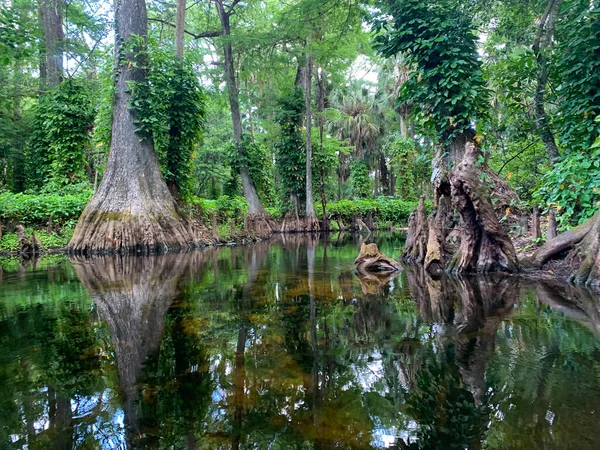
(281, 345)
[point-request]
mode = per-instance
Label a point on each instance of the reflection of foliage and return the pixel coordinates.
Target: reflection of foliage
(445, 411)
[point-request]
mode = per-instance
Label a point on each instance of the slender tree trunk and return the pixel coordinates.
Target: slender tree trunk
(542, 43)
(132, 210)
(180, 29)
(311, 220)
(255, 207)
(51, 12)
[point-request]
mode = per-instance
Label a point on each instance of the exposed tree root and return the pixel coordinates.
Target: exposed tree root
(583, 246)
(112, 232)
(370, 259)
(258, 226)
(415, 248)
(484, 245)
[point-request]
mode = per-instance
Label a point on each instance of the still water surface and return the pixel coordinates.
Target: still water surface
(280, 345)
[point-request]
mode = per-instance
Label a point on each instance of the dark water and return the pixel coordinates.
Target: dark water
(281, 346)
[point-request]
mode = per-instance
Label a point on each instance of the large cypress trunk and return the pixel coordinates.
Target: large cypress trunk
(132, 211)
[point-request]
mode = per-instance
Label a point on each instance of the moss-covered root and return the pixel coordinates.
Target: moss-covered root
(258, 226)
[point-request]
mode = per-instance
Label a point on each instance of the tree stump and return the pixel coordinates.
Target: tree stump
(415, 248)
(484, 244)
(371, 260)
(28, 246)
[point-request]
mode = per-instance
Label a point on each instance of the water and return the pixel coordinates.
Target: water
(281, 346)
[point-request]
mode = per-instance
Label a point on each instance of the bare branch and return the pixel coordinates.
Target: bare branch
(204, 34)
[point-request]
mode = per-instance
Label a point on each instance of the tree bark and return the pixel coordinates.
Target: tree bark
(543, 41)
(485, 245)
(256, 210)
(536, 232)
(415, 248)
(583, 246)
(180, 29)
(551, 232)
(54, 37)
(312, 224)
(132, 211)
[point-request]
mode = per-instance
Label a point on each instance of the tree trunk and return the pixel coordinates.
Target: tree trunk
(180, 29)
(536, 232)
(132, 295)
(312, 224)
(543, 40)
(54, 37)
(257, 223)
(132, 210)
(583, 246)
(415, 248)
(551, 232)
(484, 245)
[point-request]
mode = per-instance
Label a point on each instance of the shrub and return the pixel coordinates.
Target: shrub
(41, 210)
(382, 209)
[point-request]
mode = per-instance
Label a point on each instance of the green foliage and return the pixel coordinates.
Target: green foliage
(10, 241)
(290, 147)
(579, 75)
(359, 177)
(403, 159)
(447, 86)
(63, 121)
(170, 105)
(382, 209)
(227, 208)
(30, 210)
(257, 159)
(573, 188)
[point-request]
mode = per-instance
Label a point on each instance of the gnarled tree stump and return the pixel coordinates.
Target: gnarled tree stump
(371, 260)
(484, 244)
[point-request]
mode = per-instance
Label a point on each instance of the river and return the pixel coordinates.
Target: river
(280, 345)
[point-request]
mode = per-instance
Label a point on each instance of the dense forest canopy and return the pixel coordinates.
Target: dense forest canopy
(265, 107)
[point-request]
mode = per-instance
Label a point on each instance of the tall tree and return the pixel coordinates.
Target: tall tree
(256, 211)
(448, 90)
(51, 18)
(180, 29)
(132, 210)
(311, 219)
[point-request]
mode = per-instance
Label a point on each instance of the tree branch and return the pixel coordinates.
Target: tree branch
(204, 34)
(233, 5)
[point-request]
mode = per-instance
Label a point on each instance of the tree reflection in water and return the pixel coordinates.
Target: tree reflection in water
(282, 345)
